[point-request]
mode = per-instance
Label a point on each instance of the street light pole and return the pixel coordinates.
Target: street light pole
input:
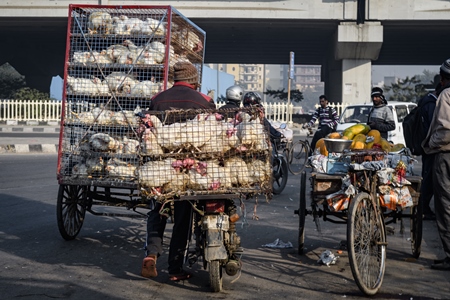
(291, 76)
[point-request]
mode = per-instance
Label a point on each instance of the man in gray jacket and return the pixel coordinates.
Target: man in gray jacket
(380, 117)
(438, 142)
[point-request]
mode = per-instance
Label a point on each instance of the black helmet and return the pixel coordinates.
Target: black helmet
(252, 98)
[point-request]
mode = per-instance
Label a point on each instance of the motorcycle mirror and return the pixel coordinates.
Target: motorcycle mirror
(283, 125)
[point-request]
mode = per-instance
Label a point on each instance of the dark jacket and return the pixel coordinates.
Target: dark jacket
(427, 104)
(381, 118)
(229, 105)
(181, 96)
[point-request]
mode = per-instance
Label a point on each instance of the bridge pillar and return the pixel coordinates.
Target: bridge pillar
(347, 72)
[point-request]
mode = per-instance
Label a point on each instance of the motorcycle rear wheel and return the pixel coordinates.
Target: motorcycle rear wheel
(280, 175)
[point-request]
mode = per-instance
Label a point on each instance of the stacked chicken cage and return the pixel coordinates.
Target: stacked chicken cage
(117, 58)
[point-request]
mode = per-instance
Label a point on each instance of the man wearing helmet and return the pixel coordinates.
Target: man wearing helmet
(234, 97)
(254, 99)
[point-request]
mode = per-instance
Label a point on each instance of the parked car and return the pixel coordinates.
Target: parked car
(358, 113)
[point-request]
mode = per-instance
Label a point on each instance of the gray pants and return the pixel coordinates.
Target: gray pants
(441, 178)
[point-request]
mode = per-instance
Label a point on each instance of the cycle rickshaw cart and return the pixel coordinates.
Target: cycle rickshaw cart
(354, 189)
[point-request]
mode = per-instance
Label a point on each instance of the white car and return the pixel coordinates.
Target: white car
(358, 113)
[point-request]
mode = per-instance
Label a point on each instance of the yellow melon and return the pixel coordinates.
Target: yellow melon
(334, 135)
(376, 135)
(322, 148)
(397, 147)
(385, 145)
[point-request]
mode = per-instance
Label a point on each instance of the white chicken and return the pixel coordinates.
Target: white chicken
(130, 146)
(238, 171)
(168, 136)
(142, 89)
(101, 57)
(150, 143)
(95, 166)
(156, 173)
(102, 116)
(85, 117)
(81, 86)
(125, 117)
(153, 26)
(104, 142)
(79, 170)
(102, 87)
(252, 134)
(117, 80)
(82, 57)
(259, 171)
(100, 22)
(119, 26)
(121, 169)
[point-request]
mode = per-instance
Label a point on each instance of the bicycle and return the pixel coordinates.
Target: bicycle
(365, 217)
(297, 154)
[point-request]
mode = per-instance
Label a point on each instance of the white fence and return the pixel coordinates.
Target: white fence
(50, 110)
(30, 110)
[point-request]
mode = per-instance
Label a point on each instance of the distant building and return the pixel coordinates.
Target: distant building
(259, 78)
(389, 80)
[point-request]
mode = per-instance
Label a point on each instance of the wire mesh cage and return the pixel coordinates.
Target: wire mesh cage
(117, 58)
(203, 152)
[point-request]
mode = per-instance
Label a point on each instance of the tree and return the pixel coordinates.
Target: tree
(27, 93)
(10, 81)
(405, 90)
(296, 95)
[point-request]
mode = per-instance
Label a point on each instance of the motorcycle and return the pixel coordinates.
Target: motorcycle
(216, 240)
(279, 164)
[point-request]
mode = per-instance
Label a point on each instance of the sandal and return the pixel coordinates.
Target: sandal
(180, 276)
(149, 267)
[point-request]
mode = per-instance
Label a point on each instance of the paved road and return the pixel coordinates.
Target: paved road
(104, 261)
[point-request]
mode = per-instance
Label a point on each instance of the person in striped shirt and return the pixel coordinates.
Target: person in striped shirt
(328, 120)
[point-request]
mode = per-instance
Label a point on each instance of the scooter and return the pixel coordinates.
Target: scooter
(216, 240)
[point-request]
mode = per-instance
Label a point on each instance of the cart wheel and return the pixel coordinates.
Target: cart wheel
(416, 229)
(302, 213)
(71, 209)
(215, 276)
(280, 174)
(366, 238)
(297, 157)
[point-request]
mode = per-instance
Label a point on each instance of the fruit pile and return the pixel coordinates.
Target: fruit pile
(363, 138)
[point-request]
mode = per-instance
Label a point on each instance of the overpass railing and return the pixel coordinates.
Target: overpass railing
(50, 110)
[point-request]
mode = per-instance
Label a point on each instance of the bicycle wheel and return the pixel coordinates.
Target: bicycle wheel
(302, 213)
(416, 229)
(366, 238)
(297, 157)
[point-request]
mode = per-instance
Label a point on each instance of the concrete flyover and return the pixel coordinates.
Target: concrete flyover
(346, 37)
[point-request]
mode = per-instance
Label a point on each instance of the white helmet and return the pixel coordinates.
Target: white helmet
(235, 93)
